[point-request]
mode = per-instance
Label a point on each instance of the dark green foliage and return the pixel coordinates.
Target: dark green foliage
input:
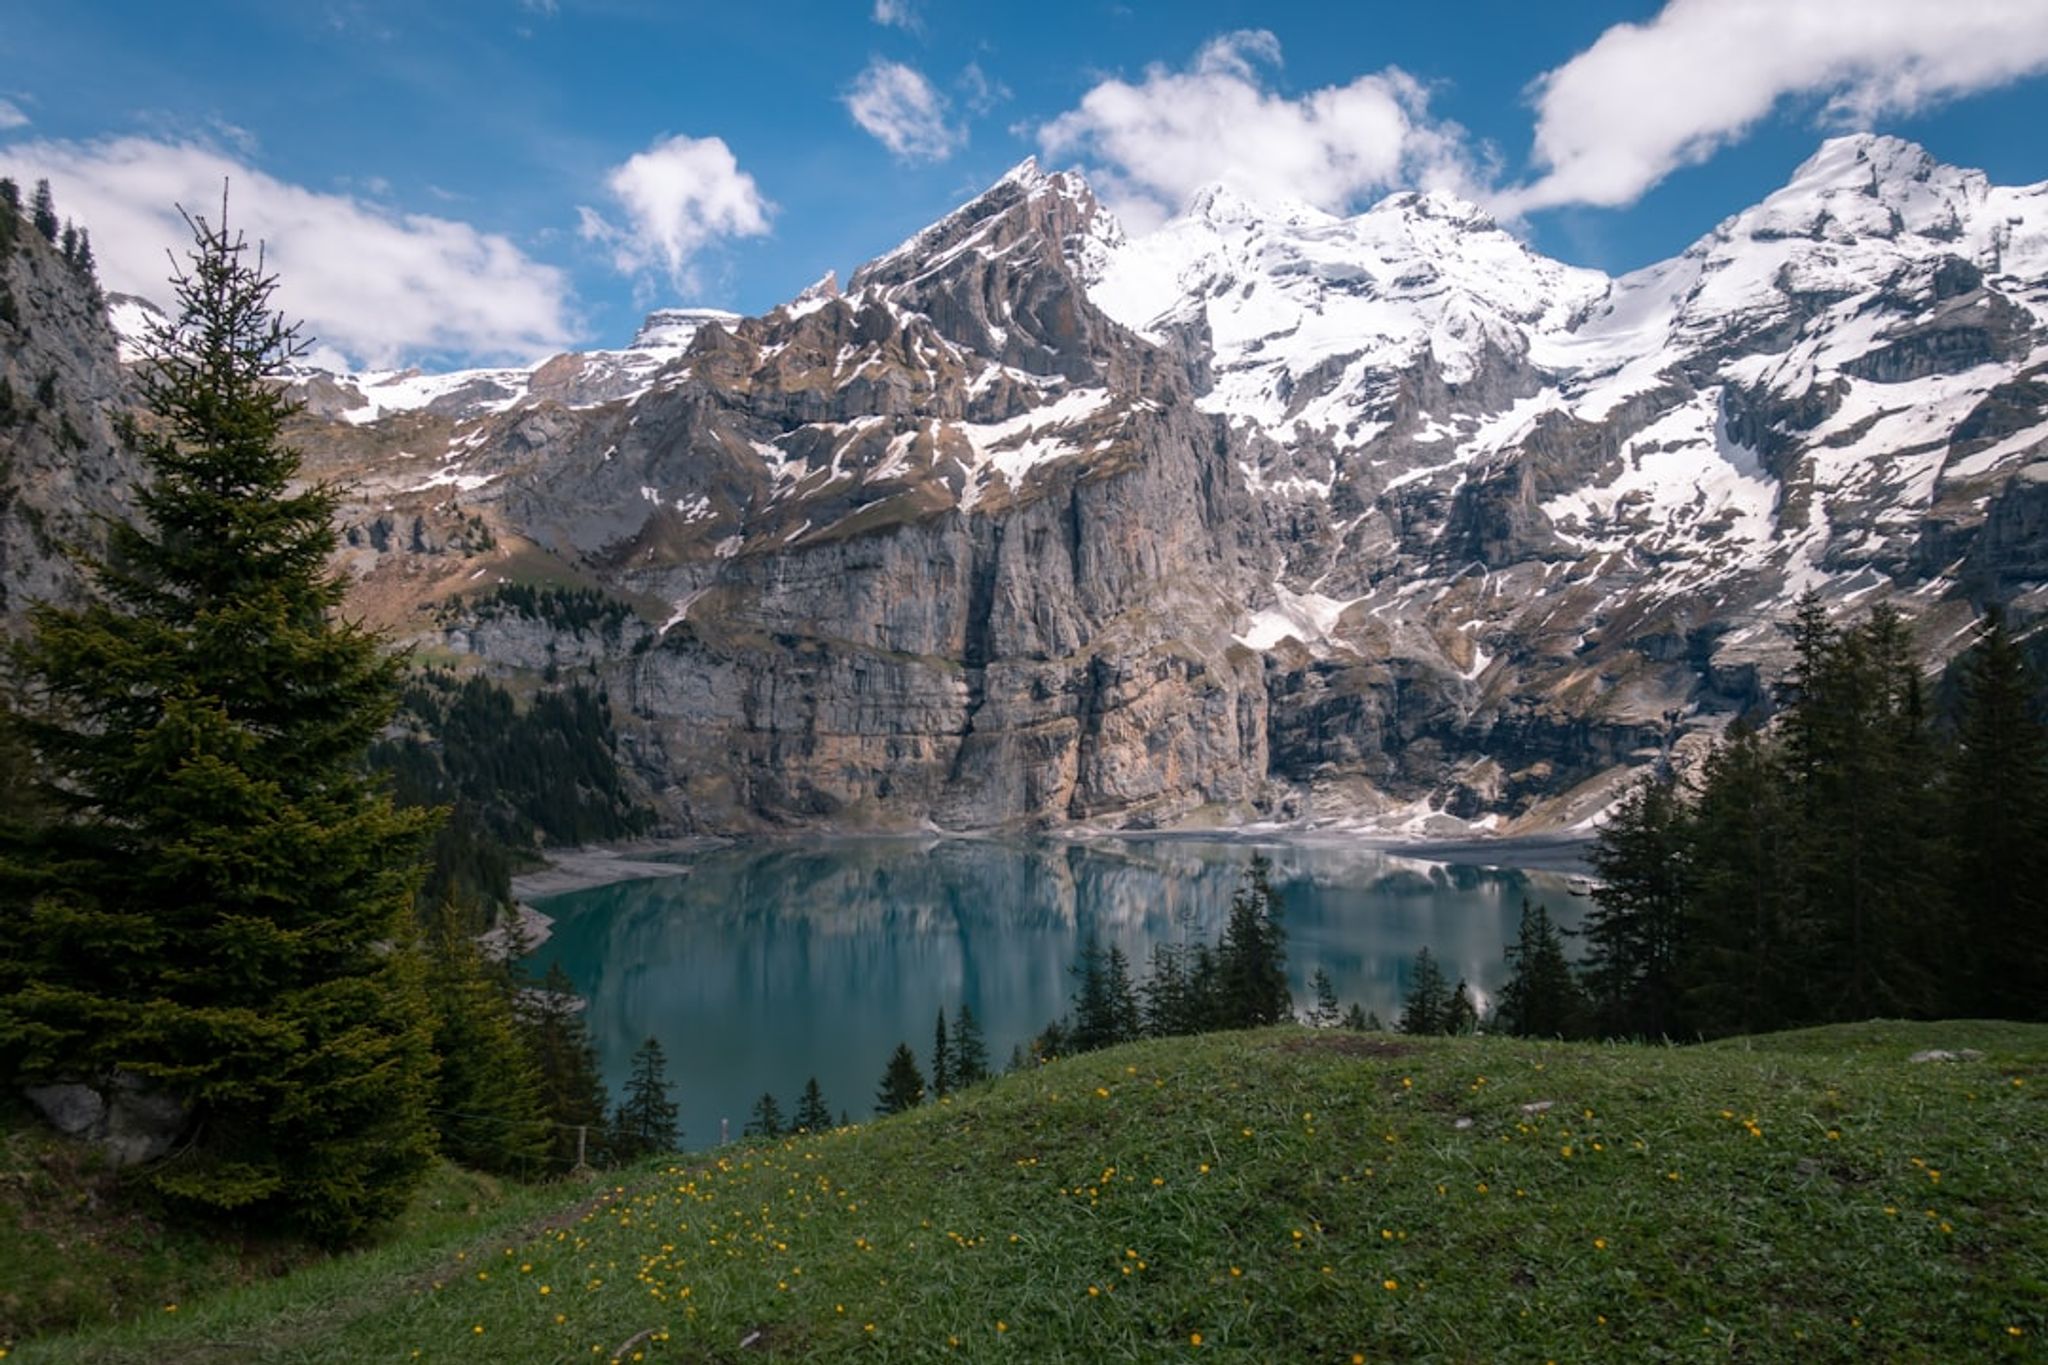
(10, 197)
(68, 248)
(7, 407)
(1355, 1020)
(214, 903)
(10, 314)
(1427, 1006)
(1170, 1003)
(813, 1115)
(513, 780)
(766, 1119)
(489, 1101)
(902, 1083)
(43, 211)
(1251, 960)
(645, 1121)
(1105, 1002)
(1541, 998)
(970, 1053)
(1634, 932)
(1460, 1016)
(83, 262)
(942, 1059)
(46, 391)
(576, 610)
(1747, 928)
(1327, 1013)
(1996, 786)
(572, 1093)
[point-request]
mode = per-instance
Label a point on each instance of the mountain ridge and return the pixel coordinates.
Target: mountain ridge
(1270, 515)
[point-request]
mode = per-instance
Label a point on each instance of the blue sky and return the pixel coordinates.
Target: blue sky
(471, 179)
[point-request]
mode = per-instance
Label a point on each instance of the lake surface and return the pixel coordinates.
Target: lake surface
(760, 965)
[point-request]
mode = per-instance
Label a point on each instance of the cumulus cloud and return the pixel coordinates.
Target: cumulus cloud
(679, 196)
(896, 105)
(1152, 144)
(11, 115)
(373, 285)
(1647, 98)
(896, 14)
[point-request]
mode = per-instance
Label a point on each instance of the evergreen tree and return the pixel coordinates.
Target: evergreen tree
(1354, 1018)
(43, 212)
(87, 266)
(68, 243)
(1541, 998)
(813, 1115)
(488, 1095)
(1634, 930)
(1460, 1016)
(1428, 1002)
(645, 1121)
(1326, 1014)
(1997, 801)
(571, 1087)
(213, 905)
(1125, 1018)
(10, 197)
(970, 1053)
(942, 1059)
(1167, 1003)
(766, 1119)
(1105, 1003)
(902, 1083)
(1747, 932)
(1251, 959)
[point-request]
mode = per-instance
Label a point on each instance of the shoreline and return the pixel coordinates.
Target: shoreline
(591, 866)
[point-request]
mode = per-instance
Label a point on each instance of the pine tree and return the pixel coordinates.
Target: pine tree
(488, 1094)
(572, 1089)
(87, 266)
(1748, 931)
(1354, 1018)
(902, 1083)
(1326, 1013)
(1541, 998)
(1126, 1020)
(213, 905)
(970, 1053)
(1634, 931)
(645, 1121)
(43, 212)
(1461, 1016)
(1428, 1002)
(1997, 800)
(68, 243)
(942, 1060)
(813, 1115)
(766, 1119)
(10, 197)
(1251, 959)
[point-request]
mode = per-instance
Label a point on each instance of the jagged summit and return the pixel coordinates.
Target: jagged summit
(676, 328)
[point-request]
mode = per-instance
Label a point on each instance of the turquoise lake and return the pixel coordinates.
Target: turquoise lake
(762, 964)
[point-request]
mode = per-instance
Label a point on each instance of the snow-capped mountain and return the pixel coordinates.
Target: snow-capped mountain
(1270, 513)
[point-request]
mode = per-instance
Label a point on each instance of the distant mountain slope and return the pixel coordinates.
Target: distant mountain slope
(1270, 514)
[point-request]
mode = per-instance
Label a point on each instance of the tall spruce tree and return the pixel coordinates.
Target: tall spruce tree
(970, 1052)
(1997, 802)
(1251, 959)
(1327, 1013)
(1634, 932)
(766, 1119)
(43, 212)
(489, 1105)
(645, 1121)
(942, 1059)
(1427, 1005)
(1461, 1016)
(213, 905)
(812, 1115)
(572, 1092)
(902, 1083)
(1541, 998)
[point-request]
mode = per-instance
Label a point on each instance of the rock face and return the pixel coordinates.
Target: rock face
(62, 393)
(1270, 513)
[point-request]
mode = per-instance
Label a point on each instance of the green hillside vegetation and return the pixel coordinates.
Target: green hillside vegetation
(1286, 1194)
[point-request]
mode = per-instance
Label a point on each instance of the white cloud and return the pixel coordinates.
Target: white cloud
(679, 196)
(1645, 99)
(981, 91)
(370, 283)
(899, 107)
(1155, 143)
(11, 115)
(897, 14)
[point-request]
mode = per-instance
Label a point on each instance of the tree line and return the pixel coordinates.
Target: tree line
(1876, 852)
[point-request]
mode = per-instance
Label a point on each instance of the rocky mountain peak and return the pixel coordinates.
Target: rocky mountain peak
(675, 328)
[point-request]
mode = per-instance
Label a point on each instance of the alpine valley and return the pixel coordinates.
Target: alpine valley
(1268, 515)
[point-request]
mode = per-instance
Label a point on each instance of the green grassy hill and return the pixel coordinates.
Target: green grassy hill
(1275, 1196)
